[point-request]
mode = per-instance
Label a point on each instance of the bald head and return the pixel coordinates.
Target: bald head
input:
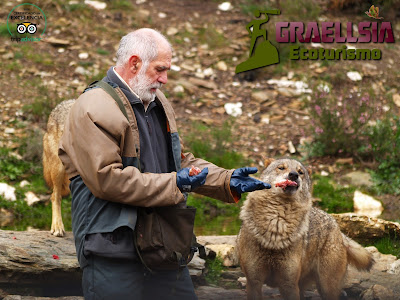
(145, 43)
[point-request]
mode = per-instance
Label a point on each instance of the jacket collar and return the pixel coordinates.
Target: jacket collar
(112, 76)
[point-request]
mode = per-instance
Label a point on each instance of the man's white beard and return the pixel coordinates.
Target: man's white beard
(142, 86)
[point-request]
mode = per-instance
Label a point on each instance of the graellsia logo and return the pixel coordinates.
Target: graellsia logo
(26, 22)
(294, 33)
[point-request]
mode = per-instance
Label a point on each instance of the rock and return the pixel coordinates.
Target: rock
(24, 183)
(396, 100)
(378, 292)
(262, 96)
(172, 30)
(162, 15)
(9, 55)
(354, 76)
(143, 14)
(178, 89)
(394, 268)
(31, 198)
(196, 266)
(82, 71)
(7, 191)
(6, 217)
(366, 229)
(208, 84)
(290, 88)
(83, 55)
(227, 253)
(366, 205)
(221, 65)
(359, 178)
(56, 42)
(233, 109)
(96, 4)
(225, 6)
(292, 149)
(212, 292)
(217, 239)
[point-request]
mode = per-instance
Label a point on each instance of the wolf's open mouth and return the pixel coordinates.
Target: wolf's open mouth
(286, 183)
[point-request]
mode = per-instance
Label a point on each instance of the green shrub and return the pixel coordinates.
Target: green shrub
(385, 144)
(214, 268)
(214, 144)
(388, 246)
(334, 198)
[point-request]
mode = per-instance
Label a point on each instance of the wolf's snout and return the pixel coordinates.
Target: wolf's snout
(293, 176)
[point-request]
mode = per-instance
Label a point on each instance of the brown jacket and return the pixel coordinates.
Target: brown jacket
(97, 137)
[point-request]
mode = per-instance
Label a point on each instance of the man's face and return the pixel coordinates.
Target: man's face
(149, 79)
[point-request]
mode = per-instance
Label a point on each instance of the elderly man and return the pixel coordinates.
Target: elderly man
(116, 166)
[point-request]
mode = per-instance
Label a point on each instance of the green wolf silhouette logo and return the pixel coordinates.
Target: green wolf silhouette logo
(265, 53)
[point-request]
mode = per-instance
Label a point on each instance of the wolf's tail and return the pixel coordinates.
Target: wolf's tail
(357, 255)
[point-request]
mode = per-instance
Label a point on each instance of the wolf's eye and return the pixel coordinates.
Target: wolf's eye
(281, 168)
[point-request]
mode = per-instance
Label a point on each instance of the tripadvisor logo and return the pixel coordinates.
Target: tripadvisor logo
(26, 22)
(265, 54)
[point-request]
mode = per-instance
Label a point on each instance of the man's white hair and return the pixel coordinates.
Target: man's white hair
(144, 43)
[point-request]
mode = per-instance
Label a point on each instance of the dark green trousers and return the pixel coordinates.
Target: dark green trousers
(115, 278)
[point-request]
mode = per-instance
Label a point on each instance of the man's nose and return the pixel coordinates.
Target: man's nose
(163, 78)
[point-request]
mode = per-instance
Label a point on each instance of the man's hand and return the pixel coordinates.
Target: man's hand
(242, 183)
(187, 183)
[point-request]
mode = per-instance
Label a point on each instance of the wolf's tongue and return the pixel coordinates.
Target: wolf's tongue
(285, 184)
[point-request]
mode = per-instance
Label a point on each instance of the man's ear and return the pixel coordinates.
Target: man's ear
(268, 161)
(134, 63)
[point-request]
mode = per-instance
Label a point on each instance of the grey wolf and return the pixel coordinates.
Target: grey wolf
(286, 243)
(53, 169)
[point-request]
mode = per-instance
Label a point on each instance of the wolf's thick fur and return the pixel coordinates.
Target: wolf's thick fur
(53, 169)
(286, 243)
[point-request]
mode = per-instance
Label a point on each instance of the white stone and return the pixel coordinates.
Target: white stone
(162, 15)
(233, 109)
(172, 30)
(299, 87)
(227, 253)
(324, 173)
(83, 55)
(178, 89)
(396, 100)
(208, 72)
(366, 205)
(225, 6)
(9, 130)
(31, 198)
(354, 76)
(221, 65)
(24, 183)
(291, 147)
(96, 4)
(7, 191)
(175, 68)
(394, 268)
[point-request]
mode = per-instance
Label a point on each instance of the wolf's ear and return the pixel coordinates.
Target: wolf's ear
(309, 170)
(268, 161)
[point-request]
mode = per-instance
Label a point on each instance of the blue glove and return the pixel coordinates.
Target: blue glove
(188, 183)
(242, 183)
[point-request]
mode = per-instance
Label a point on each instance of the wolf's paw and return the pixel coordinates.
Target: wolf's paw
(57, 230)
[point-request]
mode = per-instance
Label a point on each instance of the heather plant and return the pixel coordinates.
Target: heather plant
(339, 124)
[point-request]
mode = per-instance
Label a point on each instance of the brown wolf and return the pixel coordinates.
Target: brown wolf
(53, 169)
(286, 243)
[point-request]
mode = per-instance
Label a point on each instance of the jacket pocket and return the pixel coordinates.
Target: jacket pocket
(116, 244)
